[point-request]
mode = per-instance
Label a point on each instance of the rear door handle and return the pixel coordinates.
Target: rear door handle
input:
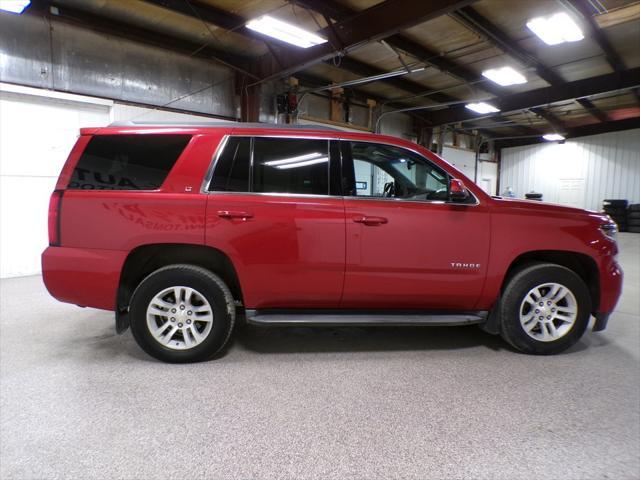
(234, 214)
(371, 221)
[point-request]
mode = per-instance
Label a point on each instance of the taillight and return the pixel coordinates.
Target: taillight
(54, 217)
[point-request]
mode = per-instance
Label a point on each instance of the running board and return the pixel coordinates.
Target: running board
(310, 318)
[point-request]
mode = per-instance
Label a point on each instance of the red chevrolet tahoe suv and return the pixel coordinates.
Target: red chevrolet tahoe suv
(180, 229)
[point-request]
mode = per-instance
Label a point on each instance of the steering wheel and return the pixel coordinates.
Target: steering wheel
(389, 189)
(441, 193)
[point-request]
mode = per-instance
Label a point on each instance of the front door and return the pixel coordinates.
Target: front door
(408, 247)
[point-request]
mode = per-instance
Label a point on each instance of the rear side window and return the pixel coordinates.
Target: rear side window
(291, 165)
(231, 172)
(127, 162)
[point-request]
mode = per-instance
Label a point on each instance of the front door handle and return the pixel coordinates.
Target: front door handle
(234, 214)
(371, 221)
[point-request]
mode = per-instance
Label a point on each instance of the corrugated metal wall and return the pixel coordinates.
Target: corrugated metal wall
(580, 172)
(68, 58)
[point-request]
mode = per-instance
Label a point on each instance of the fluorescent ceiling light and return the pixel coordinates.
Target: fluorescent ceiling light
(285, 31)
(14, 6)
(558, 28)
(481, 107)
(504, 76)
(553, 137)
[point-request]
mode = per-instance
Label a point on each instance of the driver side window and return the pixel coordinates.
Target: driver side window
(391, 172)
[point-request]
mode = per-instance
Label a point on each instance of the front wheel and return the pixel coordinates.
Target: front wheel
(182, 313)
(545, 309)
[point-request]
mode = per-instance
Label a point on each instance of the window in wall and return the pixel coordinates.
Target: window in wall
(231, 173)
(393, 172)
(127, 162)
(288, 165)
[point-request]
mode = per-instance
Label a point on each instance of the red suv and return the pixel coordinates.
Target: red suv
(180, 229)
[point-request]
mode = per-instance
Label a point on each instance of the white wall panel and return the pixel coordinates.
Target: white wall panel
(463, 159)
(580, 172)
(124, 113)
(488, 177)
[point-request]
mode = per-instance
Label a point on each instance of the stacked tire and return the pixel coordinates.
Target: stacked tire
(617, 210)
(633, 218)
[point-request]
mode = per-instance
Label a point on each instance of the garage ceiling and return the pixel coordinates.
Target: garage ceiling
(453, 40)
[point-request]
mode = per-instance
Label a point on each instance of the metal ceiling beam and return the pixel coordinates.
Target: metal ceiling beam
(551, 119)
(338, 12)
(366, 70)
(425, 55)
(470, 17)
(476, 22)
(375, 23)
(585, 9)
(544, 96)
(236, 24)
(592, 109)
(208, 13)
(213, 15)
(582, 131)
(280, 50)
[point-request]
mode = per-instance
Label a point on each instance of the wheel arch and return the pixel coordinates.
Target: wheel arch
(582, 265)
(146, 259)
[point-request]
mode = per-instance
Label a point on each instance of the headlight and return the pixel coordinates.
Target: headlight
(610, 230)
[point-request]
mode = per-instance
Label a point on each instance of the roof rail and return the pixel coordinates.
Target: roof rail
(214, 124)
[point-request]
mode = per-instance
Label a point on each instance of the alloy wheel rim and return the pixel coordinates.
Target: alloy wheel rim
(548, 312)
(179, 318)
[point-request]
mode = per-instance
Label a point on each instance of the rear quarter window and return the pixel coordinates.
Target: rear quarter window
(127, 162)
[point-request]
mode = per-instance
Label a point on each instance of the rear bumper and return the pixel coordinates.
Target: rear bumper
(86, 277)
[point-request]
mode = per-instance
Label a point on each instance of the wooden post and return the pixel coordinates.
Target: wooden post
(372, 105)
(336, 110)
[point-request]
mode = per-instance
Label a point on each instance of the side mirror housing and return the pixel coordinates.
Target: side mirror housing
(457, 191)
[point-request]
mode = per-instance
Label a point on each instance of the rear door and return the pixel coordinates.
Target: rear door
(269, 208)
(407, 246)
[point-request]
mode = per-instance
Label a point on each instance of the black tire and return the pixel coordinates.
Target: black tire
(615, 202)
(205, 283)
(513, 297)
(615, 211)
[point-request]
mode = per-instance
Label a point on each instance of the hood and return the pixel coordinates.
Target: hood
(544, 208)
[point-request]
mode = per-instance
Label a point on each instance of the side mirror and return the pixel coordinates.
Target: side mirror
(457, 191)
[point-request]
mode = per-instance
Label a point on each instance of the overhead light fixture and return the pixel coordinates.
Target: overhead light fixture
(556, 29)
(14, 6)
(553, 137)
(481, 107)
(504, 76)
(285, 32)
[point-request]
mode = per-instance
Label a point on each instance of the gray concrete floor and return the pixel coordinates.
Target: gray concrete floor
(77, 401)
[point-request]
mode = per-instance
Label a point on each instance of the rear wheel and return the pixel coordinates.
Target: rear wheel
(545, 309)
(182, 313)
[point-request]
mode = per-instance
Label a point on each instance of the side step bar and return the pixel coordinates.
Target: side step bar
(346, 318)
